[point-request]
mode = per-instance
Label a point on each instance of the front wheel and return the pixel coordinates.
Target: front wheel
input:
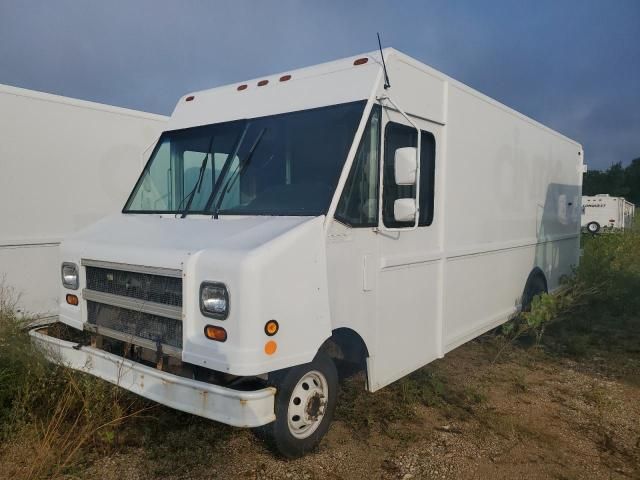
(305, 402)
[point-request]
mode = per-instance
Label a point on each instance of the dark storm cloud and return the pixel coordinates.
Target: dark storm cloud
(573, 65)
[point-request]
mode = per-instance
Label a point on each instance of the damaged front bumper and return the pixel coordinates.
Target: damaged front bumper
(222, 404)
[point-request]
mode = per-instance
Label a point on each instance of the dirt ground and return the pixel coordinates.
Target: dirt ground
(528, 415)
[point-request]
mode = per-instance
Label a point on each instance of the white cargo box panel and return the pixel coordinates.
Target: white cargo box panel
(64, 163)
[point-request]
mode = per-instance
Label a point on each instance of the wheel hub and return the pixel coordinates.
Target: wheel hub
(315, 406)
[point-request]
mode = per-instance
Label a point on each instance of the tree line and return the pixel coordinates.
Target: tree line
(617, 181)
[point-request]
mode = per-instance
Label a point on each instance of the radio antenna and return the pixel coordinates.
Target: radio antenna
(386, 75)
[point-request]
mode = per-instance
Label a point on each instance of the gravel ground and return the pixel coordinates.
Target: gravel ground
(528, 415)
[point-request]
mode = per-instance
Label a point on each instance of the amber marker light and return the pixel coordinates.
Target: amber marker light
(242, 87)
(215, 333)
(271, 328)
(361, 61)
(72, 299)
(270, 347)
(285, 78)
(189, 98)
(262, 83)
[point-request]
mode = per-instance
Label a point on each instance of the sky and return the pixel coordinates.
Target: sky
(573, 65)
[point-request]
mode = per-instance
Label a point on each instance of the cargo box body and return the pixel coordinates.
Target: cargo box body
(65, 163)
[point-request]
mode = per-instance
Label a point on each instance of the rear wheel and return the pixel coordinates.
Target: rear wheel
(593, 227)
(305, 402)
(536, 285)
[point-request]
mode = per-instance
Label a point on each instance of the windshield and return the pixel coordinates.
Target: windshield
(286, 164)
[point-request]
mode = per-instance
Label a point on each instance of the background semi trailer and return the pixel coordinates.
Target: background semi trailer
(64, 163)
(605, 211)
(328, 211)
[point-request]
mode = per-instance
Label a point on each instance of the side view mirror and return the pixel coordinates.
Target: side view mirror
(406, 165)
(404, 210)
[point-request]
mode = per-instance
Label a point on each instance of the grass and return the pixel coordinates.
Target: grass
(63, 412)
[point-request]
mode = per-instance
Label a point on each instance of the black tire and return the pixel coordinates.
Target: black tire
(536, 285)
(593, 227)
(279, 433)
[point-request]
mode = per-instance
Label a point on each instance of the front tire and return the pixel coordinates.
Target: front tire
(304, 405)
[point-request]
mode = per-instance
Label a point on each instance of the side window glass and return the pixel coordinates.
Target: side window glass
(398, 136)
(358, 206)
(427, 178)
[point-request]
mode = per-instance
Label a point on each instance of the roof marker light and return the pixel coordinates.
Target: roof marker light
(284, 78)
(361, 61)
(189, 98)
(242, 87)
(262, 83)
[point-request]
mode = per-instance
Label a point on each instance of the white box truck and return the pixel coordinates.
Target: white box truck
(606, 212)
(64, 163)
(329, 212)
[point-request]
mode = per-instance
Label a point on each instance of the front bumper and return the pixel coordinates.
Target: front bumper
(225, 405)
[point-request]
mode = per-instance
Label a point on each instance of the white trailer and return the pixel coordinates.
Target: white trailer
(288, 220)
(604, 211)
(64, 163)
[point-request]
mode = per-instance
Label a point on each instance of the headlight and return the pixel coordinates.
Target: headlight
(70, 275)
(214, 300)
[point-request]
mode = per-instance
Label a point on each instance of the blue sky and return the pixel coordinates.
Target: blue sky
(572, 64)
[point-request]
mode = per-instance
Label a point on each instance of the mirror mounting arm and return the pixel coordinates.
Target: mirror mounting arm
(387, 98)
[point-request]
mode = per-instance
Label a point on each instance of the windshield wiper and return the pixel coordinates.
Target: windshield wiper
(236, 174)
(198, 183)
(226, 166)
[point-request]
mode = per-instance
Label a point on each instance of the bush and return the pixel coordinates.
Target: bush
(59, 409)
(24, 375)
(597, 307)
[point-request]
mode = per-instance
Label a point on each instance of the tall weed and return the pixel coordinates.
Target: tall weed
(59, 410)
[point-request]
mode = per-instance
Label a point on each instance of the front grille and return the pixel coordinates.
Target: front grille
(141, 286)
(146, 326)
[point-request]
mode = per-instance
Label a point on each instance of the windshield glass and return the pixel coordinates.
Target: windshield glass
(286, 164)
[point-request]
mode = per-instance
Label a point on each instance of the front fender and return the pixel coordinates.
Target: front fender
(284, 279)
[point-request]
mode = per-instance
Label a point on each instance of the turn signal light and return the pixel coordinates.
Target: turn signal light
(72, 299)
(271, 328)
(215, 333)
(270, 347)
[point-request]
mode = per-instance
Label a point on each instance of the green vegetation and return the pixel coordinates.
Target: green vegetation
(598, 309)
(607, 320)
(59, 411)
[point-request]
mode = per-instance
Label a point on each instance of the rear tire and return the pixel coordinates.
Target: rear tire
(536, 285)
(593, 227)
(304, 405)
